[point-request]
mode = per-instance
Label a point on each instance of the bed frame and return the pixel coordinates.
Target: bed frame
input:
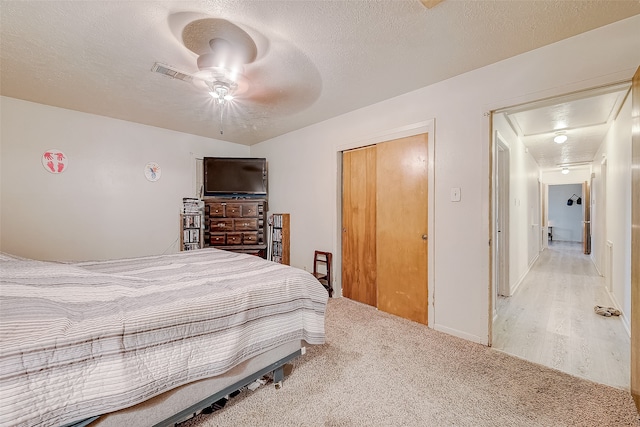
(175, 406)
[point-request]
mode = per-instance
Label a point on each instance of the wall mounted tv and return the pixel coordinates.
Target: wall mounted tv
(235, 176)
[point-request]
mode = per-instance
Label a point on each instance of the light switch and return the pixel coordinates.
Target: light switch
(455, 194)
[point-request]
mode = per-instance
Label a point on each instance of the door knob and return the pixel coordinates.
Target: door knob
(424, 237)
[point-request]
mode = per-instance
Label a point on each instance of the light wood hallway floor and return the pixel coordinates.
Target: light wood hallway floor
(550, 319)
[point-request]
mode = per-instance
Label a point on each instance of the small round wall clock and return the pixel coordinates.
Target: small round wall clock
(152, 171)
(54, 161)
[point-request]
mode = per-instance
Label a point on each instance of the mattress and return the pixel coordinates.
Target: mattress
(84, 339)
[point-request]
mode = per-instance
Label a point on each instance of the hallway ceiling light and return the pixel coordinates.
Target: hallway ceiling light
(565, 171)
(560, 138)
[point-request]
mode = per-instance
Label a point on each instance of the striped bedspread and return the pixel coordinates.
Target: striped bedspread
(84, 339)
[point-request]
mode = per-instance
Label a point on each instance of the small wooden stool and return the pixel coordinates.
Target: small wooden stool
(320, 258)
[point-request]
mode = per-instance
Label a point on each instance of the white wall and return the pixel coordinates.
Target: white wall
(566, 220)
(576, 175)
(102, 206)
(616, 148)
(303, 164)
(84, 213)
(524, 205)
(301, 177)
(598, 208)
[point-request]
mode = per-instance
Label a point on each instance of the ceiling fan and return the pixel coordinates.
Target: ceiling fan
(223, 50)
(241, 79)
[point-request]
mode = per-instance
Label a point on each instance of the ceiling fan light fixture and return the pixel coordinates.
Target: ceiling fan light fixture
(223, 49)
(560, 138)
(220, 91)
(221, 71)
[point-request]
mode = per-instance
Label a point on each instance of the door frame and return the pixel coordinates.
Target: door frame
(586, 217)
(497, 143)
(488, 146)
(383, 135)
(501, 209)
(635, 238)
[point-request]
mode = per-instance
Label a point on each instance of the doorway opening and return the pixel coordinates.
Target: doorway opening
(556, 274)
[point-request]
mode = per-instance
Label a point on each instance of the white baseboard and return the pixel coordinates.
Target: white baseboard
(521, 278)
(460, 334)
(593, 261)
(623, 316)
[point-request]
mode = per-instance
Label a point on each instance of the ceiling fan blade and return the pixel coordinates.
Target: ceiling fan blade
(274, 78)
(285, 93)
(430, 3)
(198, 36)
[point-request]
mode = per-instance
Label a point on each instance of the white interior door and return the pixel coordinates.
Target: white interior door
(502, 217)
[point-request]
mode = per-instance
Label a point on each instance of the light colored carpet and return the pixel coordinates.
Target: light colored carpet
(380, 370)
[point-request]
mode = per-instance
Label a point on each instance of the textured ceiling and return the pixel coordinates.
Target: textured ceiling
(584, 118)
(315, 59)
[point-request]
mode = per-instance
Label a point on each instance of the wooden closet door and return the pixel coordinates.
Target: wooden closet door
(359, 225)
(401, 237)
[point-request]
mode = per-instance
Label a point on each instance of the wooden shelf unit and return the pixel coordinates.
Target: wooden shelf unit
(280, 238)
(191, 225)
(191, 236)
(236, 225)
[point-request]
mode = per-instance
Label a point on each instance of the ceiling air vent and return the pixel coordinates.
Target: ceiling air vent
(170, 72)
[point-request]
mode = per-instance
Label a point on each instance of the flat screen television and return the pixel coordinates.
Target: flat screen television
(235, 176)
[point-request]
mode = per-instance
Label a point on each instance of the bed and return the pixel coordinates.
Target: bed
(139, 338)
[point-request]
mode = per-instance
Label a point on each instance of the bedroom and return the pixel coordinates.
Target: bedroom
(103, 208)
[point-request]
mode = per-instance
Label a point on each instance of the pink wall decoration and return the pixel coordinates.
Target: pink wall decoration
(54, 161)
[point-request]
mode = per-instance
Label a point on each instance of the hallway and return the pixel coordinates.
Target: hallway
(550, 319)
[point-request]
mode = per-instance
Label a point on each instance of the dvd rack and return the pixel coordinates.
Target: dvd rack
(280, 238)
(191, 224)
